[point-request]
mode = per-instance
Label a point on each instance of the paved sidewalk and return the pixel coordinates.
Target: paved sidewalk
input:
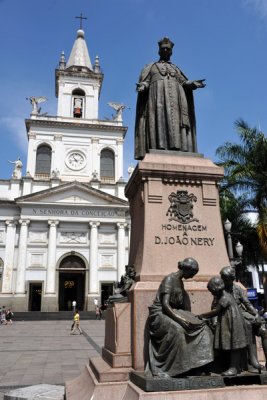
(34, 352)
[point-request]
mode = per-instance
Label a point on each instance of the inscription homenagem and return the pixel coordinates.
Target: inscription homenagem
(187, 231)
(185, 228)
(197, 241)
(185, 235)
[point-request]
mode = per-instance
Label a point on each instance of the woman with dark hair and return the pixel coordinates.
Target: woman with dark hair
(179, 341)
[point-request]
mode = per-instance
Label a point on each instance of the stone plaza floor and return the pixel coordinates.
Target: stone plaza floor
(35, 352)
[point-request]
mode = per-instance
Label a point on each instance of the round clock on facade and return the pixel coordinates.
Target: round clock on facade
(75, 160)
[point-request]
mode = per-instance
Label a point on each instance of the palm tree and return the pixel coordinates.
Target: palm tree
(245, 166)
(243, 231)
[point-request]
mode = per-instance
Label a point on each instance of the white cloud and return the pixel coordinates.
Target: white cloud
(16, 128)
(258, 6)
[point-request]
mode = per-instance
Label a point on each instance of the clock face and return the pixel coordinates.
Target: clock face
(75, 160)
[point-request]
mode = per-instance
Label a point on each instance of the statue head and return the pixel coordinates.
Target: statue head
(215, 285)
(166, 42)
(130, 271)
(165, 48)
(189, 266)
(228, 275)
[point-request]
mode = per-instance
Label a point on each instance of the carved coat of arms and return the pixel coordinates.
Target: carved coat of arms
(181, 208)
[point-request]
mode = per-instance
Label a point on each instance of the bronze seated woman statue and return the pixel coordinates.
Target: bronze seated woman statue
(179, 341)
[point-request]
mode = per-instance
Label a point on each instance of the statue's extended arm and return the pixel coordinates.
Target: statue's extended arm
(167, 309)
(197, 84)
(213, 313)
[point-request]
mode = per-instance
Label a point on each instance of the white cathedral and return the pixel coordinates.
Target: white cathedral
(65, 225)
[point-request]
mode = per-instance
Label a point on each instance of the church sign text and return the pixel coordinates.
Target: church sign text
(65, 212)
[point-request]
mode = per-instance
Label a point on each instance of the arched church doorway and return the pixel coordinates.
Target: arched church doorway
(71, 283)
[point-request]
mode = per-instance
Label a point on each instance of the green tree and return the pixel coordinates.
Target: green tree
(245, 166)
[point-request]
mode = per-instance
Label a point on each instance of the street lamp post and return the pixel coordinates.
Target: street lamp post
(234, 261)
(227, 227)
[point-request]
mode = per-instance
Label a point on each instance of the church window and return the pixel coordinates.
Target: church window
(107, 164)
(72, 262)
(43, 159)
(78, 96)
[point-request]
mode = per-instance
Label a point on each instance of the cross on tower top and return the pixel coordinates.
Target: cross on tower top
(81, 20)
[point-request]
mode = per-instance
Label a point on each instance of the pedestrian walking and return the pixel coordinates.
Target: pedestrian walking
(96, 301)
(3, 316)
(9, 316)
(76, 323)
(74, 305)
(98, 312)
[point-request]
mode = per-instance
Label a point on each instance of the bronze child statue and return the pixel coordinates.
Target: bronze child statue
(230, 331)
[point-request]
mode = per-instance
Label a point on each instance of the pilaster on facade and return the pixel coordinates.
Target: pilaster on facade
(94, 104)
(121, 249)
(93, 258)
(51, 257)
(22, 256)
(31, 157)
(95, 164)
(9, 256)
(129, 236)
(119, 174)
(58, 138)
(120, 187)
(31, 136)
(15, 187)
(27, 184)
(120, 141)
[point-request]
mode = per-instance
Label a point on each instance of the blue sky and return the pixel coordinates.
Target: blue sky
(222, 41)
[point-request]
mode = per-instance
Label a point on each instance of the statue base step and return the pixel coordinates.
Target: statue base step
(247, 387)
(155, 384)
(105, 373)
(121, 360)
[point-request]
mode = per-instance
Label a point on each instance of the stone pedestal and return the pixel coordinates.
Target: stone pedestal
(174, 206)
(117, 349)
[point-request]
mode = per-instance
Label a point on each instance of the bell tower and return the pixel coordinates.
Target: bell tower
(75, 144)
(78, 83)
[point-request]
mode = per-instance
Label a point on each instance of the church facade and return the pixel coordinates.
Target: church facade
(64, 224)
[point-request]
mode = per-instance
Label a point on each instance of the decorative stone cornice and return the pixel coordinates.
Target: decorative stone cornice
(53, 123)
